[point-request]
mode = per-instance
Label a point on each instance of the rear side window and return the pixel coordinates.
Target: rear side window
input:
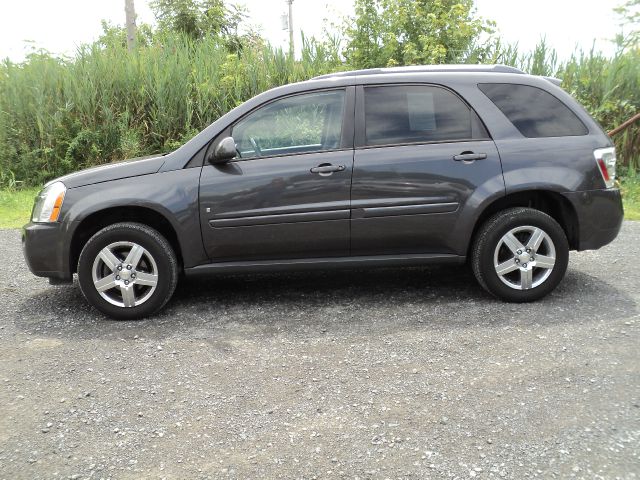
(415, 114)
(534, 112)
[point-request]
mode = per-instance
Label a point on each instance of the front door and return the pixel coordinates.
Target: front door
(421, 153)
(286, 195)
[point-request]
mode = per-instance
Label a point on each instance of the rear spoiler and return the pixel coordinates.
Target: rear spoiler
(555, 81)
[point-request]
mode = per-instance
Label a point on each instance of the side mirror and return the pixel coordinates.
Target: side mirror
(224, 151)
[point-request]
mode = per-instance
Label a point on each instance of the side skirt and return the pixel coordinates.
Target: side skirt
(258, 266)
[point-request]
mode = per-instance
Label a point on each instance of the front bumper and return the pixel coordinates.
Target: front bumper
(46, 251)
(600, 216)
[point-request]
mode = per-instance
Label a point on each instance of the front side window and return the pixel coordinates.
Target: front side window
(416, 114)
(533, 111)
(293, 125)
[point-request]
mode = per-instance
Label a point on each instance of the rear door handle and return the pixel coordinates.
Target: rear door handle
(469, 157)
(327, 169)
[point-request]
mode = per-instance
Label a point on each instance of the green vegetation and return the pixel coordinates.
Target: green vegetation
(200, 18)
(59, 115)
(106, 103)
(15, 207)
(630, 186)
(386, 33)
(610, 89)
(629, 11)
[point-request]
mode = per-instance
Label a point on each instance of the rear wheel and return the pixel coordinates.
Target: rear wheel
(127, 271)
(520, 255)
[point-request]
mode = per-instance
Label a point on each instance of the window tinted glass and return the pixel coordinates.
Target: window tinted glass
(297, 124)
(414, 113)
(534, 112)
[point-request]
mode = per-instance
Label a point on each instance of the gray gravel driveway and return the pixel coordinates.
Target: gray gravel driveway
(356, 374)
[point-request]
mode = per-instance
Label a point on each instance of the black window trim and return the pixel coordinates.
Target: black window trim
(568, 107)
(360, 142)
(197, 160)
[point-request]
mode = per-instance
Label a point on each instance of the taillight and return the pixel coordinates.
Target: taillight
(606, 160)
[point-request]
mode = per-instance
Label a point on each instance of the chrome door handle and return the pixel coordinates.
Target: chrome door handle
(326, 168)
(469, 157)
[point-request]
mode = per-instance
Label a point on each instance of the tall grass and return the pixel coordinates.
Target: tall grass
(105, 104)
(57, 115)
(610, 89)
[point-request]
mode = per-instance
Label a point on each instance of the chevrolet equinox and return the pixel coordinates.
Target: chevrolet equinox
(382, 167)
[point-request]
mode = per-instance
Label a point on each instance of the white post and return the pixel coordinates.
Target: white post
(291, 49)
(130, 12)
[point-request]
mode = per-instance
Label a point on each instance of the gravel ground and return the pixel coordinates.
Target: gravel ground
(379, 374)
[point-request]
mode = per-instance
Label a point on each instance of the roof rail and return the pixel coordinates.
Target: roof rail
(424, 69)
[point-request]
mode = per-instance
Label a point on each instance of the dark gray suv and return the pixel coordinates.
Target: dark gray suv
(386, 167)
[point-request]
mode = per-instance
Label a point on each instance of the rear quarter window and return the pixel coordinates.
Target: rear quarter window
(533, 111)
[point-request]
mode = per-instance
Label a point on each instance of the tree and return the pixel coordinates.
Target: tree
(630, 13)
(198, 18)
(410, 32)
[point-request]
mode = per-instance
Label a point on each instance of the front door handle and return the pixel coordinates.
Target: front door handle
(327, 169)
(469, 157)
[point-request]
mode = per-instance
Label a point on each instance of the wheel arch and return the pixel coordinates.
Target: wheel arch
(554, 204)
(99, 219)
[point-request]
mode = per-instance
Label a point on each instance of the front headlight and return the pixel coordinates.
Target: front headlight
(48, 203)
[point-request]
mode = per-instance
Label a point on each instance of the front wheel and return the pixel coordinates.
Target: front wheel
(127, 271)
(520, 255)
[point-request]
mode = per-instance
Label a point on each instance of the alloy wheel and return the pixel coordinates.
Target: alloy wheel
(125, 274)
(524, 257)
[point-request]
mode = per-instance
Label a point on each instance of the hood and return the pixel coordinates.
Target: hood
(113, 171)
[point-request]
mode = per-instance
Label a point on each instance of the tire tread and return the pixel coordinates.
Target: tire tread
(482, 240)
(156, 237)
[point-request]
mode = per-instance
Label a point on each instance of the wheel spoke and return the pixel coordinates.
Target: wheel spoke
(128, 296)
(109, 259)
(512, 243)
(536, 239)
(148, 279)
(544, 261)
(506, 267)
(135, 254)
(105, 283)
(526, 278)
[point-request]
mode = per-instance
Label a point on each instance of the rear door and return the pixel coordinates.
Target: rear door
(286, 195)
(421, 152)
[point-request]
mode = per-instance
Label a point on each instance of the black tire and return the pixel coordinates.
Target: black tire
(158, 252)
(490, 236)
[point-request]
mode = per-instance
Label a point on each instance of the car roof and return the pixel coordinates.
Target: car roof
(423, 69)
